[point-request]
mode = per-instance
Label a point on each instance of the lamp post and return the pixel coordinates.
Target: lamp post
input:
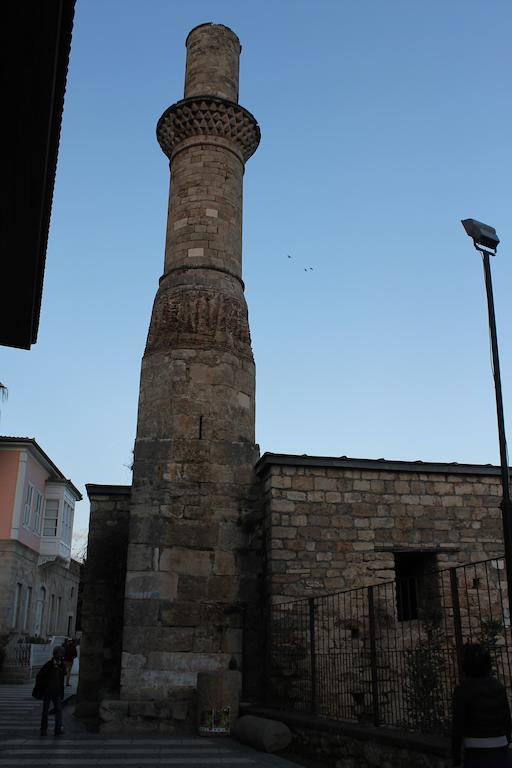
(486, 241)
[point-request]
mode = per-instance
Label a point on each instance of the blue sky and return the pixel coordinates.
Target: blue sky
(383, 124)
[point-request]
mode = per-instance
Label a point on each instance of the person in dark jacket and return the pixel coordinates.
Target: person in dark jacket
(481, 714)
(50, 681)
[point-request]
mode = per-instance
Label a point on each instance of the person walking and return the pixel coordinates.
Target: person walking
(50, 684)
(70, 654)
(481, 725)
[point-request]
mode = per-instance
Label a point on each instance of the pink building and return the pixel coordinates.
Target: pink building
(38, 578)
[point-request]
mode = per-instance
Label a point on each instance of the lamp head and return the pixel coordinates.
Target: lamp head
(484, 237)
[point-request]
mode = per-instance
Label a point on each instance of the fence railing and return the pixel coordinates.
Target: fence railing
(22, 660)
(388, 654)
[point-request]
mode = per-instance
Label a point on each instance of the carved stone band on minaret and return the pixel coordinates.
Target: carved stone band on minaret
(215, 117)
(198, 318)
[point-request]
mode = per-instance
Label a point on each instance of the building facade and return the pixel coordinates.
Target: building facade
(38, 578)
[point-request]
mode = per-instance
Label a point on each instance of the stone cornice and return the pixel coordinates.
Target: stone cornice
(380, 465)
(208, 116)
(180, 268)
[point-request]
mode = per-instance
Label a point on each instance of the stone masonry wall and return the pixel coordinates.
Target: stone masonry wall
(102, 596)
(336, 527)
(344, 745)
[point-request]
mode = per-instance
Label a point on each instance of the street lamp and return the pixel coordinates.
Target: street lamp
(486, 241)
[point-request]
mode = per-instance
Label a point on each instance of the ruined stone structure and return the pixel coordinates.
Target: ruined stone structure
(213, 532)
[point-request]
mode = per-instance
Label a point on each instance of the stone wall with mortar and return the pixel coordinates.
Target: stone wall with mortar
(102, 596)
(334, 524)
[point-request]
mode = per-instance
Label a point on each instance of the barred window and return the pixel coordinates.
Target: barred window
(416, 584)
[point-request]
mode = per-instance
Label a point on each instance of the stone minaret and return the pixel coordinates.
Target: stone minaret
(194, 450)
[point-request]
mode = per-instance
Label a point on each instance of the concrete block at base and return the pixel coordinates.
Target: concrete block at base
(218, 698)
(260, 733)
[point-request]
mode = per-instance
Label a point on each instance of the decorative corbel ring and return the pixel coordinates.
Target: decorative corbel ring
(208, 116)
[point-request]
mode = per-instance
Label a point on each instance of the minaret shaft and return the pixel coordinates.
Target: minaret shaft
(194, 450)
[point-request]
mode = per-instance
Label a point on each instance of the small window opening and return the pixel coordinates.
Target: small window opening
(417, 596)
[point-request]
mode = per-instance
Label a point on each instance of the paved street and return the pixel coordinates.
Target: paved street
(21, 745)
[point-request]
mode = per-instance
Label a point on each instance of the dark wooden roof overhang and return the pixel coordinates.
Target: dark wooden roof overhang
(35, 46)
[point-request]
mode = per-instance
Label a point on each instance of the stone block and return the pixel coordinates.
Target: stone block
(133, 660)
(280, 481)
(186, 561)
(222, 588)
(180, 710)
(326, 484)
(230, 537)
(140, 557)
(113, 710)
(296, 495)
(148, 684)
(281, 532)
(187, 662)
(283, 505)
(302, 483)
(194, 535)
(218, 690)
(224, 564)
(148, 585)
(192, 588)
(184, 614)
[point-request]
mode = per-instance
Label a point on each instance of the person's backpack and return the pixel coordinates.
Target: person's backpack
(38, 691)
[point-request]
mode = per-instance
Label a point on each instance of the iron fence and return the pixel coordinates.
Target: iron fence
(388, 654)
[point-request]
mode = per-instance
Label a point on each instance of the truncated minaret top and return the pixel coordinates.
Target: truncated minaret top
(213, 56)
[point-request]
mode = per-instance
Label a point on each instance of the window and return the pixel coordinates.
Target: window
(37, 513)
(28, 504)
(51, 616)
(57, 620)
(416, 585)
(40, 612)
(16, 606)
(67, 523)
(26, 610)
(51, 517)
